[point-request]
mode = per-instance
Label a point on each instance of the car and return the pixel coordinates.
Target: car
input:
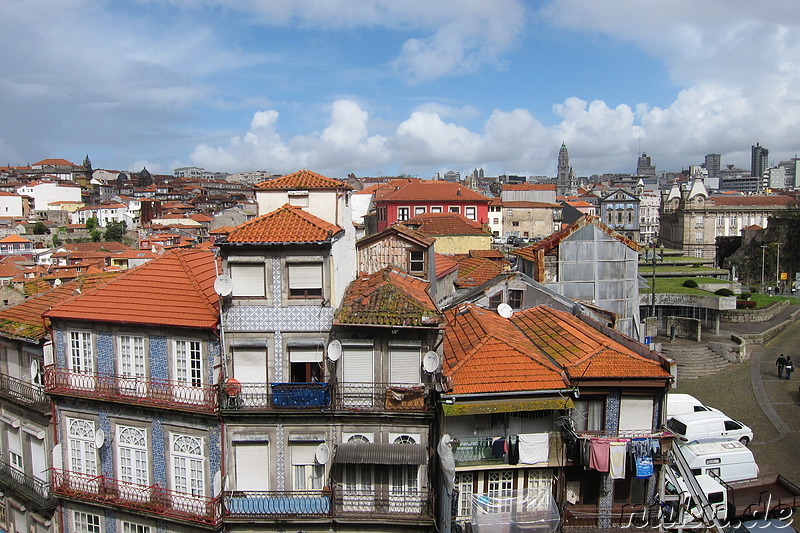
(513, 240)
(498, 240)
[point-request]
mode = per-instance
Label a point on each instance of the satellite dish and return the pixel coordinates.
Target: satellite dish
(223, 285)
(334, 350)
(323, 454)
(57, 282)
(99, 438)
(430, 362)
(34, 370)
(504, 310)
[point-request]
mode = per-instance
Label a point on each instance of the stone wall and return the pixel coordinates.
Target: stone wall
(685, 328)
(735, 353)
(753, 315)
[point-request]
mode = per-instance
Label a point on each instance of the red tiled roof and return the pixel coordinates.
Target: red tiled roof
(110, 246)
(529, 187)
(399, 229)
(486, 353)
(389, 297)
(488, 254)
(287, 224)
(536, 349)
(54, 162)
(303, 179)
(445, 264)
(175, 290)
(580, 349)
(475, 271)
(414, 189)
(10, 270)
(24, 320)
(14, 238)
(443, 224)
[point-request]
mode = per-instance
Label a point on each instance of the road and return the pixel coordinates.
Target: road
(752, 393)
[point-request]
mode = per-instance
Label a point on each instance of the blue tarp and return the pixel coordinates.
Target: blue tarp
(300, 395)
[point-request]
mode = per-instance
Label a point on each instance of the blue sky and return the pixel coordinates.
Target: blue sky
(384, 87)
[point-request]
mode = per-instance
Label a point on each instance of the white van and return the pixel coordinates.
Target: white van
(679, 509)
(705, 425)
(725, 460)
(679, 404)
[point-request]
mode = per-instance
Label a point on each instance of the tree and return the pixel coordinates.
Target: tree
(40, 229)
(56, 240)
(91, 223)
(115, 231)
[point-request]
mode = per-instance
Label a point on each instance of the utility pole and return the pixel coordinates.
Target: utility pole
(763, 250)
(778, 267)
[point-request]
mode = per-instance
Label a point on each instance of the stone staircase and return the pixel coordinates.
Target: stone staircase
(694, 361)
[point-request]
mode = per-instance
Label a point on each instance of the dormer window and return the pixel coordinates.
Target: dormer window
(416, 262)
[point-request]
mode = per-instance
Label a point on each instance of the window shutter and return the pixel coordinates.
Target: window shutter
(311, 354)
(252, 466)
(248, 280)
(404, 364)
(250, 366)
(357, 360)
(305, 276)
(636, 414)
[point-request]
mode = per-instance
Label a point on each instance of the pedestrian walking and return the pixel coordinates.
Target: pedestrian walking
(781, 364)
(789, 367)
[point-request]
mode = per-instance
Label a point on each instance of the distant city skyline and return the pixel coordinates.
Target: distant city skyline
(386, 88)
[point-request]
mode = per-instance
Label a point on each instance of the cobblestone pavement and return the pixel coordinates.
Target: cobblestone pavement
(752, 393)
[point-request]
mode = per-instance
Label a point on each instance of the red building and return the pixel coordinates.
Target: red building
(402, 199)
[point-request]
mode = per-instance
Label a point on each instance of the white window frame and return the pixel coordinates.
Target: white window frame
(436, 209)
(188, 464)
(132, 356)
(81, 352)
(133, 527)
(500, 484)
(83, 522)
(305, 279)
(403, 213)
(249, 279)
(307, 474)
(473, 210)
(133, 462)
(420, 210)
(454, 209)
(464, 484)
(188, 362)
(80, 444)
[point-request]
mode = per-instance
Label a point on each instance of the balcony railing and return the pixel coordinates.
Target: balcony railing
(36, 491)
(273, 504)
(341, 397)
(23, 392)
(155, 393)
(472, 451)
(147, 499)
(406, 504)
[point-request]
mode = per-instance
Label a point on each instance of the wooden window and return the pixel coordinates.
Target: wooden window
(515, 298)
(416, 261)
(305, 280)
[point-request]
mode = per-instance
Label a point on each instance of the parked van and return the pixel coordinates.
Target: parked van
(724, 460)
(678, 404)
(705, 425)
(680, 511)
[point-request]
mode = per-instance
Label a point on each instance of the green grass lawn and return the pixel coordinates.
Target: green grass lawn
(764, 300)
(675, 285)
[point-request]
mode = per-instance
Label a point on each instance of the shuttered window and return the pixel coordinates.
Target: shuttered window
(357, 361)
(404, 364)
(252, 465)
(636, 415)
(305, 280)
(248, 279)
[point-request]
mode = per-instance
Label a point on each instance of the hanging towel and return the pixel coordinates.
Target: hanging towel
(617, 455)
(534, 448)
(598, 459)
(644, 466)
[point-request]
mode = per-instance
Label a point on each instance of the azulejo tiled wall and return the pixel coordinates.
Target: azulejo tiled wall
(294, 318)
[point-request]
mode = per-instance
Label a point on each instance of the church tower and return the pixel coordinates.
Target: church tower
(566, 182)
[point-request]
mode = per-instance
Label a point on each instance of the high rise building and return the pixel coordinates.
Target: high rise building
(566, 183)
(759, 161)
(645, 167)
(713, 163)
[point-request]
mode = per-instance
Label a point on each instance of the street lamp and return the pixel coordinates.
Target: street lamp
(763, 250)
(778, 268)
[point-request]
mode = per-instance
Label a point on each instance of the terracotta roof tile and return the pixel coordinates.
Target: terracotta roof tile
(287, 224)
(303, 179)
(14, 238)
(536, 349)
(24, 320)
(444, 265)
(60, 162)
(414, 189)
(443, 224)
(488, 254)
(389, 297)
(175, 290)
(475, 271)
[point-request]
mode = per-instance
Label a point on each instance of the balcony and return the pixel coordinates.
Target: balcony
(153, 499)
(33, 490)
(327, 397)
(141, 391)
(339, 503)
(23, 392)
(478, 451)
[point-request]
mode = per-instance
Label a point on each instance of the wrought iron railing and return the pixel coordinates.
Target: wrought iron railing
(152, 392)
(470, 451)
(30, 488)
(23, 392)
(148, 499)
(276, 503)
(339, 397)
(412, 504)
